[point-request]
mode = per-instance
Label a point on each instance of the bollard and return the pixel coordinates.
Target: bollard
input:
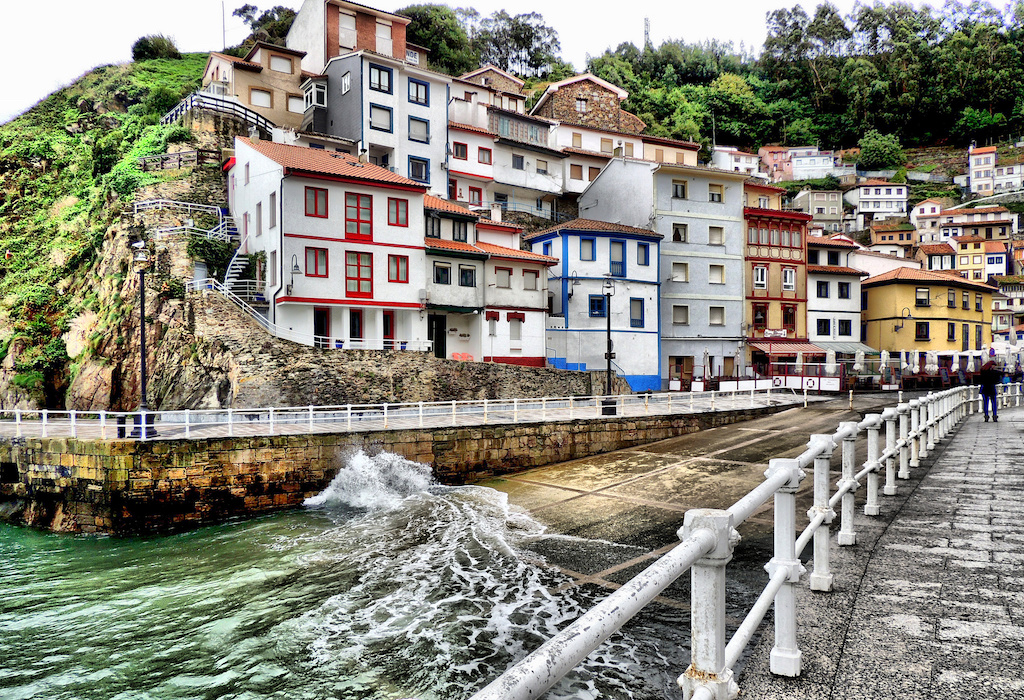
(889, 416)
(904, 412)
(847, 535)
(707, 608)
(821, 576)
(784, 659)
(805, 397)
(871, 506)
(712, 400)
(851, 399)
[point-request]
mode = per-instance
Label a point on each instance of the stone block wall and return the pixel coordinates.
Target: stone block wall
(603, 111)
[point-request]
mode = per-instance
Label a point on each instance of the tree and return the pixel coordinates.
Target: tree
(522, 44)
(879, 151)
(154, 46)
(271, 26)
(438, 29)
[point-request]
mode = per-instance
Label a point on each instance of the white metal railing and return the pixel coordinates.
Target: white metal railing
(189, 207)
(369, 417)
(318, 341)
(224, 105)
(220, 232)
(897, 439)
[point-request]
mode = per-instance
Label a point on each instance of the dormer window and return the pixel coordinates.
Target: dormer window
(281, 64)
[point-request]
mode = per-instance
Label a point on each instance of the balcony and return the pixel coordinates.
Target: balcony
(617, 268)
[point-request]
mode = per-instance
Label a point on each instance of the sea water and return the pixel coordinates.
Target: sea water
(386, 585)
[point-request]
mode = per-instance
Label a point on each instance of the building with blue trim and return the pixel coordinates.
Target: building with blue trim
(595, 258)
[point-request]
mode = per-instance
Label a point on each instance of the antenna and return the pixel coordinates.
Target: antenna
(647, 32)
(223, 25)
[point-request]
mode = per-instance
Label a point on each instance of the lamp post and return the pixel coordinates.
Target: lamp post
(608, 405)
(296, 270)
(142, 427)
(905, 316)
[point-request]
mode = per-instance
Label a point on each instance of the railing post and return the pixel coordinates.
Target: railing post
(915, 432)
(712, 400)
(805, 396)
(485, 411)
(103, 425)
(821, 577)
(847, 535)
(691, 399)
(454, 421)
(270, 430)
(187, 425)
(74, 428)
(970, 400)
(871, 506)
(385, 416)
(543, 408)
(231, 425)
(889, 416)
(932, 412)
(752, 398)
(44, 430)
(784, 659)
(707, 606)
(348, 418)
(904, 410)
(515, 410)
(922, 444)
(310, 410)
(421, 414)
(17, 421)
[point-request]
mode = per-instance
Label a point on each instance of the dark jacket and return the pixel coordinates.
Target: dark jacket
(990, 376)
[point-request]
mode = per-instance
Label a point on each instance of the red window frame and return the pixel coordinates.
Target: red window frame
(536, 280)
(319, 197)
(398, 212)
(318, 255)
(506, 270)
(455, 150)
(763, 323)
(398, 269)
(476, 195)
(480, 156)
(358, 216)
(358, 270)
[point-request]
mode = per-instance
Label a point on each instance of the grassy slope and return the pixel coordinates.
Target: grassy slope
(59, 192)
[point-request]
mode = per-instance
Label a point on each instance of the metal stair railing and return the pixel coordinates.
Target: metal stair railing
(217, 104)
(236, 264)
(220, 232)
(190, 207)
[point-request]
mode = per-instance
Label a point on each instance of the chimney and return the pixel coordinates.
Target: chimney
(254, 133)
(496, 211)
(363, 158)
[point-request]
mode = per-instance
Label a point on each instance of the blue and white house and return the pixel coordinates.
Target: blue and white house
(595, 258)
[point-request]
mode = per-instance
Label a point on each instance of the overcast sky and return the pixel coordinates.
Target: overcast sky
(48, 44)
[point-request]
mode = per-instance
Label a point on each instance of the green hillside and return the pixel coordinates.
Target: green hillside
(67, 168)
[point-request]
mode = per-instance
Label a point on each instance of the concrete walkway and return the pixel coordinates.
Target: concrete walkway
(930, 603)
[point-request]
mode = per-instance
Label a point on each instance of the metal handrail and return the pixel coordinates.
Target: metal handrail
(217, 233)
(217, 104)
(190, 207)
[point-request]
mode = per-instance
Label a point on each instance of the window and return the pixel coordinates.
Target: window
(316, 202)
(587, 246)
(316, 262)
(951, 299)
(518, 162)
(844, 290)
(824, 326)
(398, 212)
(636, 313)
(261, 98)
(315, 95)
(398, 268)
(681, 315)
(460, 151)
(775, 236)
(833, 257)
(845, 327)
(680, 272)
(762, 236)
(296, 104)
(597, 309)
(716, 235)
(380, 78)
(789, 281)
(419, 92)
(785, 238)
(950, 331)
(789, 317)
(760, 277)
(542, 167)
(476, 195)
(432, 226)
(380, 118)
(467, 276)
(280, 64)
(530, 278)
(419, 130)
(679, 232)
(716, 274)
(629, 149)
(515, 330)
(592, 173)
(822, 290)
(977, 337)
(659, 155)
(358, 216)
(483, 155)
(716, 315)
(606, 145)
(967, 301)
(575, 172)
(347, 30)
(419, 169)
(581, 105)
(752, 235)
(503, 277)
(346, 85)
(921, 330)
(643, 255)
(922, 297)
(359, 274)
(546, 248)
(272, 210)
(247, 173)
(760, 316)
(617, 258)
(977, 302)
(442, 273)
(460, 231)
(577, 140)
(714, 193)
(679, 189)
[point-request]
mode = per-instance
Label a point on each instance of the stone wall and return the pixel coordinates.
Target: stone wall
(603, 111)
(125, 487)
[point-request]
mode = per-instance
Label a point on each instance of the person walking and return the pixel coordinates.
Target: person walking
(991, 376)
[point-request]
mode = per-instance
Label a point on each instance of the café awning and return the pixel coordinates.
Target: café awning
(786, 347)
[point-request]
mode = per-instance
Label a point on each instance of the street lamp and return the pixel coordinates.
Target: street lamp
(608, 406)
(141, 259)
(296, 270)
(902, 320)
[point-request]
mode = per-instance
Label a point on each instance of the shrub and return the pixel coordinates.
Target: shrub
(154, 46)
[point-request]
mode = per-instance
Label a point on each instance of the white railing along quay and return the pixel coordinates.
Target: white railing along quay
(897, 439)
(198, 424)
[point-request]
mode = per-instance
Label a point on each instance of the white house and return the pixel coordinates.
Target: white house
(878, 199)
(833, 295)
(824, 206)
(981, 163)
(596, 258)
(989, 222)
(343, 242)
(874, 263)
(731, 158)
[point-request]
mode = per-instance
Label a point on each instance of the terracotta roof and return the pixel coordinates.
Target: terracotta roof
(438, 204)
(877, 183)
(490, 223)
(273, 47)
(994, 247)
(969, 239)
(734, 151)
(458, 246)
(240, 62)
(984, 149)
(937, 249)
(906, 274)
(490, 66)
(581, 152)
(688, 145)
(761, 184)
(324, 162)
(835, 270)
(470, 127)
(975, 210)
(830, 242)
(597, 226)
(888, 227)
(503, 252)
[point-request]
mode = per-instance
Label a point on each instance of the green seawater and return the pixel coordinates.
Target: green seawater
(385, 586)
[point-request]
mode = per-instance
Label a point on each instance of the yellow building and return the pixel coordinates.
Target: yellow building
(907, 309)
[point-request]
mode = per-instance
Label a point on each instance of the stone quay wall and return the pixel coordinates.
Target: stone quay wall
(127, 487)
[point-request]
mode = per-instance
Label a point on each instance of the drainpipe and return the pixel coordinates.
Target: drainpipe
(272, 310)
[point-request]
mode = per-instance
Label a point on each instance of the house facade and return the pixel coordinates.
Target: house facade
(824, 206)
(936, 256)
(324, 29)
(606, 274)
(878, 199)
(833, 294)
(731, 158)
(988, 222)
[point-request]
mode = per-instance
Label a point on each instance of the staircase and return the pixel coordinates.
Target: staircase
(250, 291)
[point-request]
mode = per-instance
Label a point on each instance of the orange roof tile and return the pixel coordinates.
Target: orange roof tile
(835, 270)
(995, 247)
(937, 249)
(830, 242)
(438, 204)
(470, 127)
(906, 274)
(490, 223)
(597, 226)
(975, 210)
(459, 246)
(581, 152)
(877, 183)
(969, 239)
(503, 252)
(323, 162)
(984, 149)
(240, 62)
